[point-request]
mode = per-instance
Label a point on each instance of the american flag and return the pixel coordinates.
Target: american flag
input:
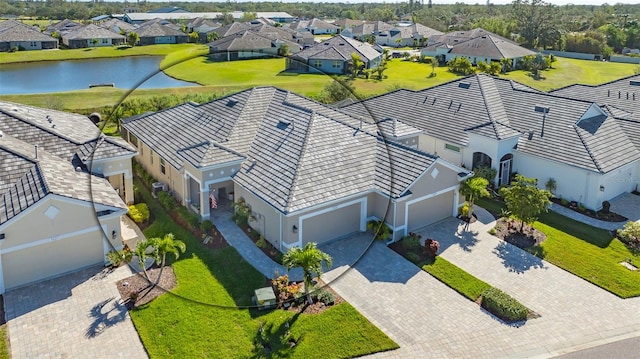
(212, 197)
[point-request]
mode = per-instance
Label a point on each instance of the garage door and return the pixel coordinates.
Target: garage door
(331, 225)
(430, 210)
(52, 258)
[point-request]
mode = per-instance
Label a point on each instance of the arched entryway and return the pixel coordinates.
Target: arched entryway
(504, 176)
(481, 159)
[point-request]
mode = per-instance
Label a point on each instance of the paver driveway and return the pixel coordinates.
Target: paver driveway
(75, 316)
(428, 319)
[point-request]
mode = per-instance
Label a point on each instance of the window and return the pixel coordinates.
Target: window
(162, 167)
(105, 41)
(317, 63)
(452, 147)
(133, 139)
(337, 64)
(151, 156)
(33, 44)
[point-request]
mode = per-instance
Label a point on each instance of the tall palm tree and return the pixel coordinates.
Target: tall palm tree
(473, 189)
(310, 259)
(165, 245)
(142, 252)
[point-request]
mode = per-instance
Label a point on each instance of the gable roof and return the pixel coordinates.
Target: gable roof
(312, 24)
(369, 28)
(63, 26)
(339, 47)
(623, 94)
(117, 25)
(11, 30)
(91, 31)
(500, 109)
(247, 40)
(490, 46)
(154, 28)
(296, 153)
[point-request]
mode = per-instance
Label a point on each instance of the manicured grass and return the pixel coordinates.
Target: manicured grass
(4, 343)
(588, 252)
(97, 52)
(456, 278)
(570, 71)
(199, 319)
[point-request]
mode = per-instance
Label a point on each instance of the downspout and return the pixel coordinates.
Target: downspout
(392, 240)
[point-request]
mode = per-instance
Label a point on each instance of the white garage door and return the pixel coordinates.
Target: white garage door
(51, 258)
(331, 225)
(430, 210)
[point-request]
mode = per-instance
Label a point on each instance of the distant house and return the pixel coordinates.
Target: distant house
(315, 27)
(247, 45)
(413, 35)
(14, 34)
(202, 25)
(167, 10)
(63, 188)
(154, 32)
(367, 30)
(117, 26)
(138, 18)
(91, 36)
(477, 45)
(333, 56)
(62, 27)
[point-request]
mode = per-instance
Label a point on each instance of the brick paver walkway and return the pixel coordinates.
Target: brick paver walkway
(79, 315)
(428, 319)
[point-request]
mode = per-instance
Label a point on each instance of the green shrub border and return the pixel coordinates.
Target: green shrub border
(503, 305)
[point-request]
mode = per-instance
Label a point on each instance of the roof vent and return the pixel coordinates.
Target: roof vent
(283, 124)
(49, 119)
(464, 85)
(78, 169)
(542, 109)
(634, 83)
(231, 103)
(530, 135)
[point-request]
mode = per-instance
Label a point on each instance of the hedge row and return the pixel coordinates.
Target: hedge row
(502, 305)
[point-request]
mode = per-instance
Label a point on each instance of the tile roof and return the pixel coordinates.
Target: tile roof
(63, 26)
(91, 31)
(339, 47)
(11, 30)
(154, 28)
(624, 94)
(312, 24)
(297, 153)
(490, 46)
(498, 109)
(117, 25)
(27, 179)
(369, 28)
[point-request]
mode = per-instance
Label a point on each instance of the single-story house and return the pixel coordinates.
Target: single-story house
(477, 45)
(315, 27)
(202, 25)
(407, 35)
(91, 36)
(14, 34)
(333, 56)
(62, 27)
(140, 17)
(622, 94)
(118, 26)
(307, 171)
(247, 45)
(154, 32)
(368, 29)
(482, 120)
(63, 188)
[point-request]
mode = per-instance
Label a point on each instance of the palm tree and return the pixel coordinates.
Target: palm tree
(142, 253)
(310, 259)
(356, 64)
(165, 245)
(474, 188)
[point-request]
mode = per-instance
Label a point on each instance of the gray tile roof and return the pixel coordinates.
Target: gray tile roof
(154, 28)
(11, 30)
(117, 25)
(498, 108)
(298, 153)
(339, 47)
(623, 94)
(312, 24)
(455, 37)
(91, 31)
(62, 27)
(490, 46)
(33, 178)
(370, 28)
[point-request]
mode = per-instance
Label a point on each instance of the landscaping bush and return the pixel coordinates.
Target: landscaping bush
(493, 231)
(261, 242)
(192, 219)
(139, 212)
(606, 206)
(630, 236)
(117, 258)
(167, 200)
(325, 297)
(464, 210)
(431, 247)
(241, 212)
(503, 306)
(413, 257)
(206, 225)
(379, 228)
(581, 207)
(411, 242)
(564, 202)
(486, 172)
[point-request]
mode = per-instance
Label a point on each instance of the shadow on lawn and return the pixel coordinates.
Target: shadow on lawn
(276, 341)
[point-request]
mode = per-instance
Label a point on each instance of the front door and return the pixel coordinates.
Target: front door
(505, 171)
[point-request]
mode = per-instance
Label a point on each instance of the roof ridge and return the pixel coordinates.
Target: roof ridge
(302, 153)
(482, 82)
(586, 147)
(43, 128)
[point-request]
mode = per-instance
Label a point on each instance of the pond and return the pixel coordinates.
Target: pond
(57, 76)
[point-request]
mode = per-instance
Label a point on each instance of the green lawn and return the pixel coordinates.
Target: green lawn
(200, 318)
(456, 278)
(97, 52)
(571, 71)
(588, 252)
(5, 353)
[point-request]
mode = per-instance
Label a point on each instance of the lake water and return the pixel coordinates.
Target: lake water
(56, 76)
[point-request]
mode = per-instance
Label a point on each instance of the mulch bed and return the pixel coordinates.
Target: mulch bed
(303, 307)
(3, 318)
(508, 230)
(144, 292)
(271, 251)
(603, 216)
(399, 248)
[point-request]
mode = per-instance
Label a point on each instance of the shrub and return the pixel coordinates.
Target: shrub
(379, 228)
(564, 202)
(139, 212)
(192, 219)
(116, 258)
(503, 306)
(325, 297)
(581, 207)
(413, 257)
(486, 172)
(431, 247)
(241, 212)
(261, 242)
(551, 185)
(606, 206)
(206, 225)
(167, 200)
(493, 231)
(411, 242)
(464, 210)
(630, 236)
